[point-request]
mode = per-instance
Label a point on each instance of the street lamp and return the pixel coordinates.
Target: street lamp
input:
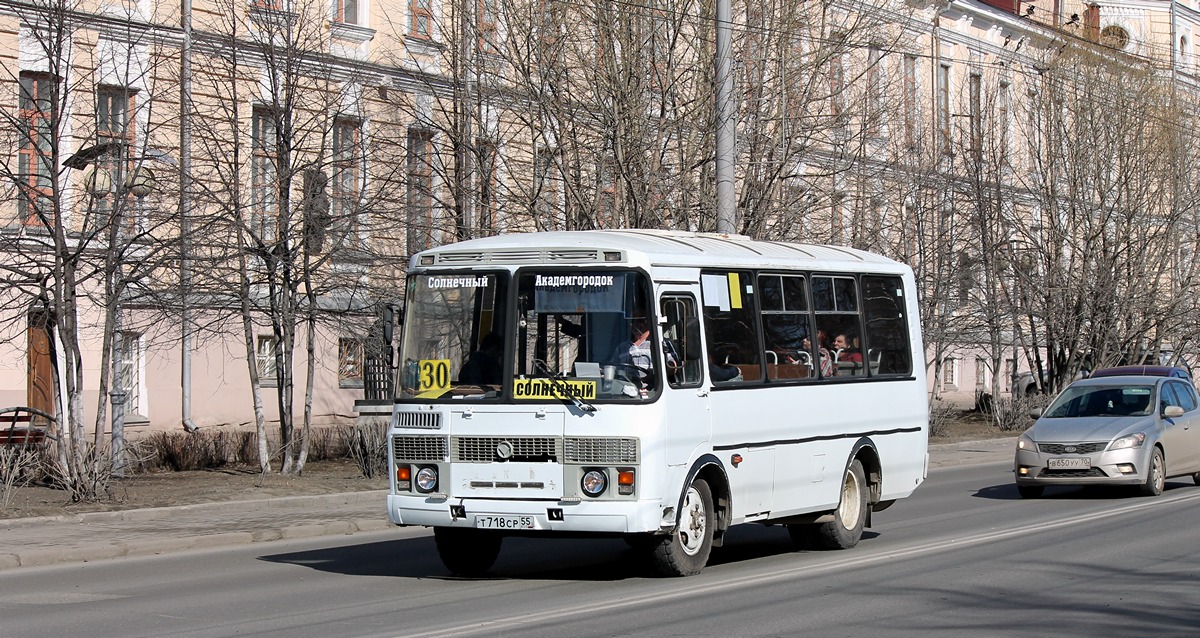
(99, 182)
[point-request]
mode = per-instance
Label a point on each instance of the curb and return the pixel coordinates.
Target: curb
(159, 513)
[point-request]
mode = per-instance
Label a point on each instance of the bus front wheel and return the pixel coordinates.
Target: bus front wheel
(685, 552)
(467, 552)
(846, 528)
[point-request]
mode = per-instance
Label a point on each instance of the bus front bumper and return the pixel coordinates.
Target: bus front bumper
(613, 517)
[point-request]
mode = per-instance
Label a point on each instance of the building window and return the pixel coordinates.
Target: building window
(420, 18)
(874, 89)
(36, 111)
(943, 108)
(606, 192)
(910, 100)
(1003, 117)
(347, 159)
(350, 363)
(346, 12)
(113, 107)
(975, 87)
(420, 189)
(949, 378)
(486, 165)
(980, 372)
(129, 368)
(264, 143)
(265, 350)
(1114, 36)
(837, 82)
(272, 5)
(487, 27)
(546, 184)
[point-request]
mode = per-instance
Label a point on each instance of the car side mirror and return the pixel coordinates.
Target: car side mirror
(1172, 411)
(1035, 413)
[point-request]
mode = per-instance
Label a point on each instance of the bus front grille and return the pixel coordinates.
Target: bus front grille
(520, 449)
(419, 448)
(424, 420)
(601, 450)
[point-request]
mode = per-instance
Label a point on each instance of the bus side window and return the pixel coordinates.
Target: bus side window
(681, 340)
(886, 334)
(730, 321)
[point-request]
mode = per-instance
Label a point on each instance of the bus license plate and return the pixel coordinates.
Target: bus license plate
(485, 521)
(1069, 464)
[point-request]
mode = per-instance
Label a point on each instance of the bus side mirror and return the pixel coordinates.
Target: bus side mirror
(389, 316)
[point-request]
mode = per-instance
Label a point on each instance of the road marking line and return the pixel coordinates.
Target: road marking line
(807, 569)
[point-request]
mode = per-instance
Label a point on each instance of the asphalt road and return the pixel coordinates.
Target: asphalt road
(965, 555)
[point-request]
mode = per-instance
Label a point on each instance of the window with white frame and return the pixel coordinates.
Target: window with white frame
(943, 108)
(346, 11)
(264, 148)
(419, 198)
(949, 373)
(129, 369)
(347, 160)
(980, 372)
(265, 348)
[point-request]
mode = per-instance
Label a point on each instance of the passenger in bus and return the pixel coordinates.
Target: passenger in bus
(719, 368)
(845, 350)
(483, 366)
(827, 369)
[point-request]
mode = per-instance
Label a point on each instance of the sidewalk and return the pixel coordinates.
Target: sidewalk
(99, 535)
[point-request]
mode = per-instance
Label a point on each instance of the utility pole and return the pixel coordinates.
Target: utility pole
(185, 210)
(726, 125)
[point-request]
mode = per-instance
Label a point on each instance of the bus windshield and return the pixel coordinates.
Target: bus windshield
(590, 329)
(583, 335)
(453, 339)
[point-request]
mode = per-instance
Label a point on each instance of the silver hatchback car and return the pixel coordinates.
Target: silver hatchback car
(1123, 430)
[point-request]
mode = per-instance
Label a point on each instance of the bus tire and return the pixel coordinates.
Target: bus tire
(846, 528)
(466, 551)
(685, 551)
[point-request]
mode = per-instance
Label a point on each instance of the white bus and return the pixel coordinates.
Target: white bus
(654, 385)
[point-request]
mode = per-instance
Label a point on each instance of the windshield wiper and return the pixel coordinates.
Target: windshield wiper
(564, 388)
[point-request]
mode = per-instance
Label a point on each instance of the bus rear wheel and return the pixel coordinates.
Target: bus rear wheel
(465, 551)
(846, 528)
(685, 551)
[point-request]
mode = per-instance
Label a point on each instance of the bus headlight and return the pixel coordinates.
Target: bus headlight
(594, 482)
(427, 479)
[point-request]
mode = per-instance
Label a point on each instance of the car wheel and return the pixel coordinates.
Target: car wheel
(1156, 478)
(685, 551)
(1030, 491)
(467, 552)
(846, 528)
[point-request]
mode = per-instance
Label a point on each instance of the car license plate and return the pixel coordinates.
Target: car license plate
(487, 521)
(1074, 463)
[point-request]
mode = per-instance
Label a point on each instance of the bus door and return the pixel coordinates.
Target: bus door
(685, 399)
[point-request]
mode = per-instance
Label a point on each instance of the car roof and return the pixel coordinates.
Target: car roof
(1144, 371)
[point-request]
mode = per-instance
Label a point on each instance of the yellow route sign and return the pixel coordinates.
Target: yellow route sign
(547, 389)
(433, 377)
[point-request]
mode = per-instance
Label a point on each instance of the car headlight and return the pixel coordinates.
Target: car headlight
(594, 482)
(1126, 442)
(427, 478)
(1026, 443)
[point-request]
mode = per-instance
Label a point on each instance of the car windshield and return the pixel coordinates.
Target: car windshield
(1102, 400)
